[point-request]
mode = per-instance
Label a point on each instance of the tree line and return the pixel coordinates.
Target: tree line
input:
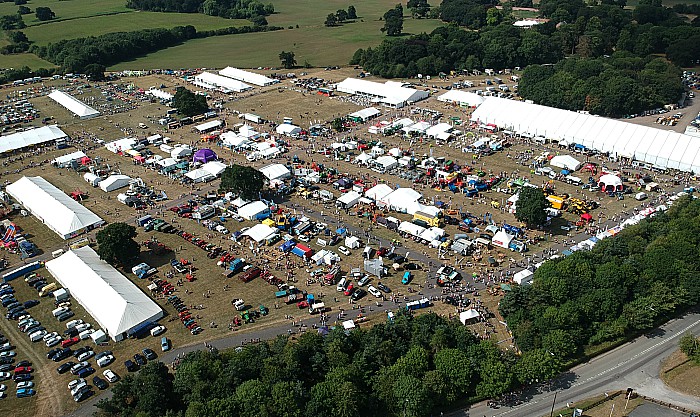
(73, 55)
(410, 367)
(230, 9)
(625, 285)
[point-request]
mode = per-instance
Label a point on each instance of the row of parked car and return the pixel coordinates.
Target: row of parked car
(22, 372)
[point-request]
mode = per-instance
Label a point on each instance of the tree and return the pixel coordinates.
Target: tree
(95, 72)
(352, 13)
(341, 15)
(24, 10)
(690, 345)
(331, 20)
(44, 13)
(393, 21)
(188, 103)
(288, 60)
(116, 244)
(537, 366)
(531, 206)
(17, 37)
(337, 124)
(245, 181)
(418, 8)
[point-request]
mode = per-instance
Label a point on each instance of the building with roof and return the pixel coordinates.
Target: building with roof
(31, 137)
(401, 200)
(656, 147)
(288, 129)
(251, 210)
(60, 213)
(248, 77)
(439, 131)
(116, 304)
(462, 98)
(208, 126)
(276, 172)
(364, 114)
(75, 106)
(217, 82)
(391, 93)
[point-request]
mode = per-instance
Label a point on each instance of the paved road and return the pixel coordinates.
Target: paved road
(633, 365)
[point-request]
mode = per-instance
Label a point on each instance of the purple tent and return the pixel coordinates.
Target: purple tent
(204, 156)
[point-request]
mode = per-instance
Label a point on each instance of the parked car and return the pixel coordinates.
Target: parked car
(5, 367)
(54, 341)
(383, 287)
(131, 366)
(149, 354)
(22, 377)
(78, 366)
(75, 383)
(30, 303)
(349, 289)
(65, 367)
(25, 392)
(25, 384)
(110, 376)
(140, 360)
(358, 294)
(164, 344)
(82, 395)
(65, 316)
(374, 291)
(100, 383)
(70, 342)
(5, 376)
(8, 354)
(23, 370)
(62, 354)
(24, 363)
(86, 355)
(104, 360)
(157, 330)
(86, 372)
(345, 251)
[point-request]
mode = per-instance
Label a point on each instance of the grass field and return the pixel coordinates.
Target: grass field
(69, 9)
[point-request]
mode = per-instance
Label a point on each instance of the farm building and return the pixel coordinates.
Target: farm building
(247, 77)
(31, 137)
(276, 172)
(75, 106)
(116, 304)
(462, 98)
(656, 147)
(53, 207)
(217, 82)
(391, 93)
(364, 114)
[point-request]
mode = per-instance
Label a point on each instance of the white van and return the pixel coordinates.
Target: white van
(570, 179)
(57, 312)
(341, 284)
(640, 196)
(73, 323)
(85, 334)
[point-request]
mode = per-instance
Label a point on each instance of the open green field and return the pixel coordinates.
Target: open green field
(17, 61)
(319, 46)
(68, 9)
(124, 22)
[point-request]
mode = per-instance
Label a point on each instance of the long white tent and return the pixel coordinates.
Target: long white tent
(217, 82)
(31, 137)
(53, 207)
(390, 93)
(115, 303)
(75, 106)
(657, 147)
(247, 76)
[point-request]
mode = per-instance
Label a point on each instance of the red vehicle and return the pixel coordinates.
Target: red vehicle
(303, 304)
(250, 274)
(70, 342)
(348, 290)
(23, 370)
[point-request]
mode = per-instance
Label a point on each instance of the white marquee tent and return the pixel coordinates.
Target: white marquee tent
(207, 126)
(114, 182)
(439, 131)
(390, 93)
(523, 277)
(260, 232)
(214, 168)
(234, 140)
(348, 199)
(565, 162)
(378, 192)
(276, 172)
(247, 76)
(250, 210)
(365, 114)
(657, 147)
(199, 175)
(160, 94)
(502, 239)
(115, 303)
(30, 137)
(217, 82)
(288, 129)
(75, 106)
(470, 314)
(120, 145)
(400, 199)
(65, 160)
(463, 98)
(53, 207)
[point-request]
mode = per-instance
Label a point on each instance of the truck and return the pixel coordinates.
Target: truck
(317, 308)
(517, 246)
(556, 202)
(143, 270)
(250, 274)
(429, 219)
(332, 277)
(236, 265)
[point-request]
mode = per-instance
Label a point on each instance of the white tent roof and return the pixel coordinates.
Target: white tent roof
(523, 277)
(114, 182)
(419, 127)
(437, 129)
(275, 172)
(349, 198)
(411, 228)
(391, 93)
(464, 98)
(251, 209)
(259, 232)
(502, 239)
(163, 95)
(215, 168)
(234, 140)
(465, 316)
(386, 161)
(247, 76)
(214, 81)
(662, 148)
(565, 162)
(378, 192)
(367, 113)
(610, 179)
(108, 296)
(363, 157)
(166, 162)
(239, 202)
(30, 137)
(73, 105)
(208, 125)
(180, 152)
(288, 129)
(401, 198)
(52, 206)
(248, 132)
(199, 175)
(65, 159)
(123, 145)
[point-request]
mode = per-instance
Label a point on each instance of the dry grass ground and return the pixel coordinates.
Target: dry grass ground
(680, 374)
(616, 407)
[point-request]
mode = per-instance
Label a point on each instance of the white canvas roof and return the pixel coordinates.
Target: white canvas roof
(390, 93)
(363, 157)
(214, 81)
(523, 277)
(565, 162)
(208, 126)
(214, 168)
(180, 152)
(386, 161)
(411, 228)
(109, 297)
(662, 148)
(401, 198)
(166, 162)
(123, 145)
(350, 198)
(30, 137)
(378, 192)
(250, 210)
(199, 175)
(463, 98)
(114, 182)
(436, 130)
(288, 129)
(234, 140)
(367, 113)
(163, 95)
(66, 159)
(465, 316)
(52, 206)
(259, 232)
(502, 239)
(247, 76)
(73, 105)
(248, 132)
(275, 172)
(420, 127)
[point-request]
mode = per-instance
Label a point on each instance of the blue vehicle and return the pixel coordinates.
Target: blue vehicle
(406, 278)
(25, 392)
(164, 344)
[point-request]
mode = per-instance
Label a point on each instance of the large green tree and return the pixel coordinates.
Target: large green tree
(44, 13)
(393, 21)
(242, 180)
(288, 59)
(530, 207)
(116, 243)
(188, 103)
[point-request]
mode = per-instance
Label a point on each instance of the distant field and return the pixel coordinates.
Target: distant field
(319, 46)
(125, 22)
(30, 60)
(67, 9)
